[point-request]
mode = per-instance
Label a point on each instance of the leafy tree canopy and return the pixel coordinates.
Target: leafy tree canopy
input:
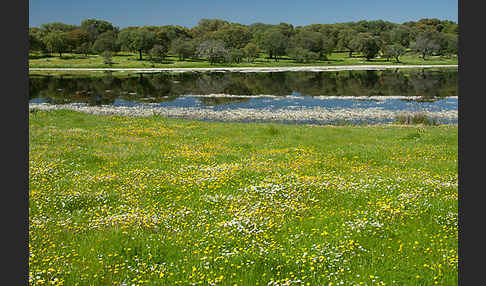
(136, 40)
(57, 27)
(106, 41)
(95, 27)
(213, 50)
(56, 42)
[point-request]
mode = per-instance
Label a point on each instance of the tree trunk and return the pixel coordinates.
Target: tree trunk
(350, 53)
(140, 54)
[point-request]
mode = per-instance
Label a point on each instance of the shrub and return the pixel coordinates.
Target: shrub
(158, 53)
(415, 118)
(236, 55)
(107, 57)
(84, 48)
(303, 55)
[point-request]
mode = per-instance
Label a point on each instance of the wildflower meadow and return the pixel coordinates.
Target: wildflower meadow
(117, 200)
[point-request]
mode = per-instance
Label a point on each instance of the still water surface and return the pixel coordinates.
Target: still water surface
(394, 90)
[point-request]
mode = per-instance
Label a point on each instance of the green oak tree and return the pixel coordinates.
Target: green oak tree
(347, 40)
(213, 50)
(183, 47)
(57, 27)
(234, 36)
(107, 41)
(275, 43)
(136, 40)
(35, 40)
(76, 38)
(251, 51)
(56, 42)
(426, 44)
(394, 51)
(369, 46)
(95, 27)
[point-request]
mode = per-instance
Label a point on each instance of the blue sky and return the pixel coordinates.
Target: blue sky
(187, 13)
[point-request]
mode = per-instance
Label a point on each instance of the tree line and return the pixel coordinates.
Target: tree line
(217, 40)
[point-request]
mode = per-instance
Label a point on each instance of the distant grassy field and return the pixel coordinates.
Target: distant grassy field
(131, 60)
(156, 201)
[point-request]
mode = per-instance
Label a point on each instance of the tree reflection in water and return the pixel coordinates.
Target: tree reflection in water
(429, 85)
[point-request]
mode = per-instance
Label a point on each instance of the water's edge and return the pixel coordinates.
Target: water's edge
(252, 69)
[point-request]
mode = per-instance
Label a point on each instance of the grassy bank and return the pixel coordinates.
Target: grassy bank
(131, 60)
(156, 201)
(131, 73)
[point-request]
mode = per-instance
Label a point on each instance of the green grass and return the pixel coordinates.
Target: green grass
(157, 201)
(131, 60)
